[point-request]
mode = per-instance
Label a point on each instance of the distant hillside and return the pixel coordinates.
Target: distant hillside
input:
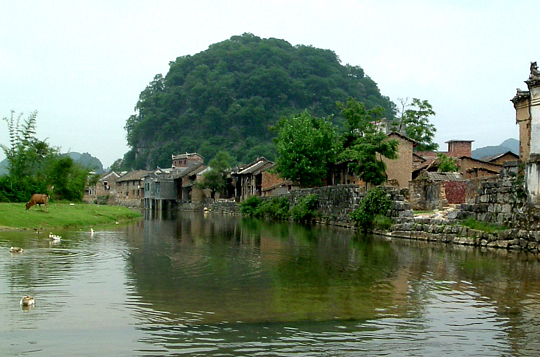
(228, 97)
(507, 145)
(85, 160)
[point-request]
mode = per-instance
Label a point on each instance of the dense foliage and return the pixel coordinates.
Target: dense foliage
(226, 98)
(276, 208)
(305, 209)
(36, 167)
(413, 122)
(364, 144)
(215, 179)
(306, 147)
(447, 164)
(376, 203)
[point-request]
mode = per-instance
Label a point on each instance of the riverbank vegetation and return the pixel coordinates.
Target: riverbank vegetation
(371, 213)
(305, 210)
(34, 166)
(62, 215)
(482, 226)
(372, 210)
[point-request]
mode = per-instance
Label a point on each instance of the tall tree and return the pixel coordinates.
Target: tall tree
(364, 143)
(306, 146)
(414, 122)
(216, 178)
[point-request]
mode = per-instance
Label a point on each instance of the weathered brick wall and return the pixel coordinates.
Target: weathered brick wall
(270, 179)
(459, 148)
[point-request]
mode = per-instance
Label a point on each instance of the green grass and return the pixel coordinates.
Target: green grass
(482, 226)
(62, 215)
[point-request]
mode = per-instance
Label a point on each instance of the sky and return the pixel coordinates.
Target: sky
(82, 64)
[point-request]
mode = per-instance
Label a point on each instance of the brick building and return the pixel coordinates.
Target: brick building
(400, 170)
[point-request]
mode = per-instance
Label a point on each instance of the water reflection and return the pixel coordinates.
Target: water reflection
(212, 285)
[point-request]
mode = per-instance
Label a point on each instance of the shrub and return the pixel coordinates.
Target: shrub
(250, 205)
(375, 203)
(276, 208)
(306, 208)
(382, 222)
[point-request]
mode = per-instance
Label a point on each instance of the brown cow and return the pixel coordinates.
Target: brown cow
(38, 199)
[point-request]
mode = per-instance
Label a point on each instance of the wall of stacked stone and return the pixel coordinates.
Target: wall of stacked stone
(335, 203)
(427, 230)
(499, 201)
(225, 207)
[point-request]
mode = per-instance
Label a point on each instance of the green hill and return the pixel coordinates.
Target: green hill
(87, 160)
(228, 97)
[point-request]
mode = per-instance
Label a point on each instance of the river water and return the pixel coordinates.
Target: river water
(211, 285)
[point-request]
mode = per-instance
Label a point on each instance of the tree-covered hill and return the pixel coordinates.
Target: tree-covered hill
(227, 97)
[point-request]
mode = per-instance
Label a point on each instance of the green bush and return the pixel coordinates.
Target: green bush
(382, 222)
(375, 203)
(250, 205)
(306, 208)
(276, 208)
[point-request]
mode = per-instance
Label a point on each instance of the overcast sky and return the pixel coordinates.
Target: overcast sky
(83, 64)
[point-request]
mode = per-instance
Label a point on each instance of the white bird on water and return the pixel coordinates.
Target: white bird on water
(15, 250)
(54, 237)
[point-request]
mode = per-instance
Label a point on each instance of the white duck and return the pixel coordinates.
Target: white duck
(54, 237)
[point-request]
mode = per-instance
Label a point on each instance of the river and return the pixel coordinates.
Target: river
(209, 285)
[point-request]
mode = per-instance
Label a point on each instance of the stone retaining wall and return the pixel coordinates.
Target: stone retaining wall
(501, 201)
(514, 239)
(495, 202)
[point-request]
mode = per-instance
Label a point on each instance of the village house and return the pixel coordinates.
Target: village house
(159, 190)
(164, 188)
(186, 160)
(248, 178)
(399, 171)
(434, 190)
(105, 188)
(185, 183)
(500, 159)
(130, 188)
(273, 184)
(527, 106)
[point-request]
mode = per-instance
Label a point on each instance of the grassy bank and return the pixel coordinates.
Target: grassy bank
(61, 215)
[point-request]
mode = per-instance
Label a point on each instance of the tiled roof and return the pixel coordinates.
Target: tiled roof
(444, 176)
(255, 166)
(133, 175)
(190, 170)
(495, 157)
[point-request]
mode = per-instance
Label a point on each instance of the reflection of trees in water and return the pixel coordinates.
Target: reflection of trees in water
(224, 268)
(252, 270)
